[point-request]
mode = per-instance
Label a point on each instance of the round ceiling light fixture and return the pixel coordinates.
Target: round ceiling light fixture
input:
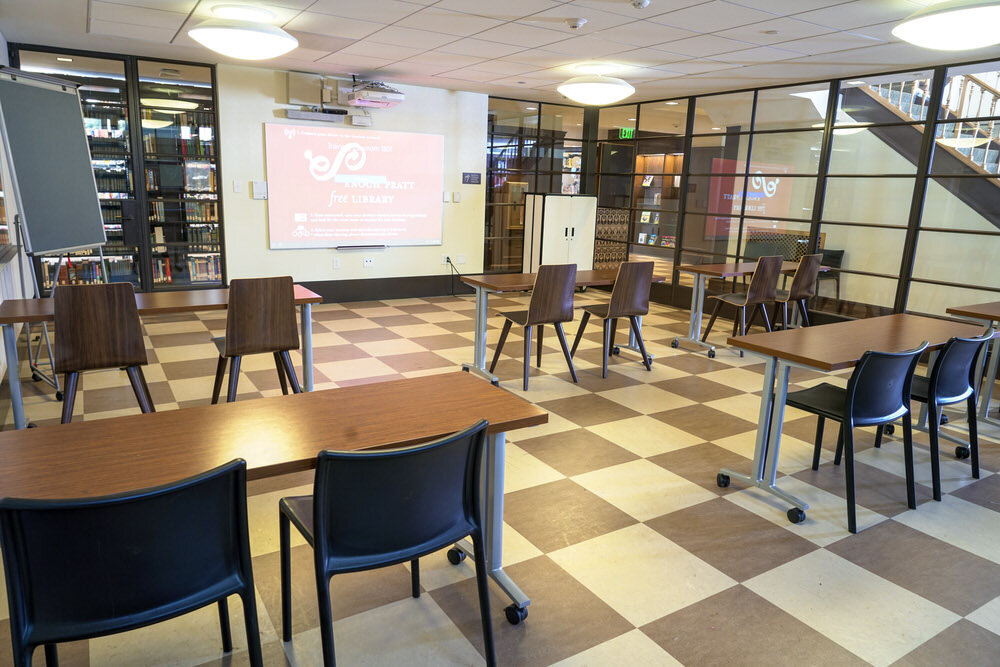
(595, 89)
(956, 25)
(155, 123)
(243, 32)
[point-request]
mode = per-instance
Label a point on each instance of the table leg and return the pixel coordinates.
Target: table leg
(478, 365)
(13, 375)
(987, 391)
(633, 343)
(307, 347)
(697, 305)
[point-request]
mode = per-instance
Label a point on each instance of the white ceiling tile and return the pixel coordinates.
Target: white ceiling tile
(503, 68)
(152, 18)
(879, 31)
(697, 66)
(446, 61)
(507, 10)
(314, 42)
(702, 45)
(130, 31)
(760, 54)
(540, 57)
(305, 55)
(380, 11)
(784, 29)
(531, 81)
(453, 23)
(785, 7)
(480, 47)
(282, 14)
(336, 26)
(410, 69)
(182, 6)
(354, 64)
(420, 39)
(558, 18)
(647, 57)
(712, 16)
(373, 49)
(644, 33)
(837, 41)
(522, 35)
(468, 74)
(625, 8)
(860, 13)
(586, 47)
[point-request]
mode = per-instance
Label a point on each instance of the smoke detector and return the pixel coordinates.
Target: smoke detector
(576, 24)
(640, 4)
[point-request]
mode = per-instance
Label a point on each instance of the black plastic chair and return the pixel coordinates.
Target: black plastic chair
(878, 392)
(952, 380)
(374, 509)
(86, 568)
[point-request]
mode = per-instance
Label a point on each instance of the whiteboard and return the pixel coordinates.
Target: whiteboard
(52, 178)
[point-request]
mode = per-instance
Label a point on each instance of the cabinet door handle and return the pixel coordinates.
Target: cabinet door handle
(565, 232)
(574, 231)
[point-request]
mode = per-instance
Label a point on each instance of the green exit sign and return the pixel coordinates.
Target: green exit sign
(626, 132)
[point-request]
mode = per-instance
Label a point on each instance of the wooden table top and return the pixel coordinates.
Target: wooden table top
(13, 311)
(831, 347)
(981, 311)
(275, 435)
(735, 269)
(522, 282)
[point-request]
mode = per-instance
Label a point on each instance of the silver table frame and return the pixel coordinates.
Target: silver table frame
(697, 310)
(14, 376)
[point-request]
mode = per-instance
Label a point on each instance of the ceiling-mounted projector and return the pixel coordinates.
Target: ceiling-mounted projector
(372, 95)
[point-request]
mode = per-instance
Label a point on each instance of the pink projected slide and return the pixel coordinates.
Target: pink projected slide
(332, 186)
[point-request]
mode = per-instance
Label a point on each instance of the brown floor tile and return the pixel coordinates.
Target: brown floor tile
(368, 335)
(193, 368)
(701, 463)
(274, 654)
(695, 362)
(697, 389)
(397, 320)
(555, 515)
(710, 529)
(117, 398)
(588, 409)
(564, 618)
(591, 380)
(322, 355)
(415, 361)
(332, 315)
(985, 492)
(170, 317)
(874, 488)
(172, 340)
(593, 355)
(380, 378)
(442, 341)
(951, 577)
(511, 368)
(705, 422)
(71, 654)
(804, 429)
(738, 627)
(421, 308)
(350, 593)
(576, 452)
(364, 305)
(963, 642)
(216, 324)
(989, 455)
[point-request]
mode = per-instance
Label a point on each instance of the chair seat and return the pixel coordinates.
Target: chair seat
(825, 400)
(920, 389)
(220, 344)
(299, 509)
(735, 298)
(598, 309)
(517, 317)
(781, 295)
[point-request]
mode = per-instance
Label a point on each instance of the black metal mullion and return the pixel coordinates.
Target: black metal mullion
(219, 181)
(825, 153)
(746, 180)
(682, 204)
(920, 188)
(141, 207)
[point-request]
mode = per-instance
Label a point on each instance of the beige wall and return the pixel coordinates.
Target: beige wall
(250, 97)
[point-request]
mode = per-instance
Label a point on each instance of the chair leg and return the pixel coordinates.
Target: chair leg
(878, 436)
(638, 339)
(614, 332)
(711, 320)
(234, 378)
(973, 436)
(51, 655)
(743, 320)
(484, 599)
(753, 316)
(503, 339)
(840, 447)
(227, 635)
(252, 628)
(145, 389)
(220, 375)
(804, 312)
(325, 619)
(565, 348)
(933, 425)
(911, 488)
(852, 519)
(819, 441)
(69, 396)
(784, 315)
(767, 322)
(579, 332)
(415, 577)
(527, 356)
(285, 547)
(538, 345)
(281, 373)
(138, 382)
(286, 361)
(606, 348)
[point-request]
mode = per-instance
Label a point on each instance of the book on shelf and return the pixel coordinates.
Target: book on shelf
(205, 268)
(161, 270)
(656, 218)
(668, 241)
(647, 181)
(642, 237)
(652, 239)
(644, 217)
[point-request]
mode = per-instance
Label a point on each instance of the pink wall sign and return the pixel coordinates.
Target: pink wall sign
(768, 195)
(332, 186)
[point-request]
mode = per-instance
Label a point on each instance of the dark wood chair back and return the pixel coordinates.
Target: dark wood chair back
(97, 326)
(630, 295)
(764, 284)
(261, 316)
(804, 282)
(552, 295)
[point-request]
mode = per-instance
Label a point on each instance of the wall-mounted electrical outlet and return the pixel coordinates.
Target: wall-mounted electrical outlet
(444, 259)
(369, 262)
(336, 262)
(461, 259)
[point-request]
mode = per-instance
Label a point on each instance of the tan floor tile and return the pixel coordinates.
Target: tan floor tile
(988, 616)
(353, 369)
(166, 328)
(522, 470)
(187, 352)
(556, 424)
(446, 316)
(644, 435)
(643, 489)
(383, 348)
(416, 361)
(262, 518)
(645, 398)
(963, 524)
(589, 409)
(876, 489)
(705, 422)
(542, 388)
(793, 456)
(631, 648)
(351, 324)
(889, 457)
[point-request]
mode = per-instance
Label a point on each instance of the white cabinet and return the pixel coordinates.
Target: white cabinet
(559, 229)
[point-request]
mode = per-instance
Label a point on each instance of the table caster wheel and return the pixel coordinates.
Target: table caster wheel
(455, 556)
(796, 515)
(515, 614)
(59, 395)
(889, 429)
(675, 343)
(36, 377)
(465, 369)
(495, 383)
(32, 425)
(711, 354)
(616, 350)
(962, 452)
(722, 480)
(944, 419)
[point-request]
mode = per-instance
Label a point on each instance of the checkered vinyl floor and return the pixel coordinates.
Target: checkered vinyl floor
(614, 525)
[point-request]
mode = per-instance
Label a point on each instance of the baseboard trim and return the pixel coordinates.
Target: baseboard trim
(376, 289)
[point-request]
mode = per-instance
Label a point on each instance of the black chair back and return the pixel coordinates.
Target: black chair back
(953, 377)
(90, 567)
(391, 506)
(879, 389)
(832, 258)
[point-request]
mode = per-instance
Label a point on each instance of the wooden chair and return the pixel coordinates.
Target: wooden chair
(762, 290)
(261, 318)
(551, 303)
(629, 298)
(97, 326)
(803, 288)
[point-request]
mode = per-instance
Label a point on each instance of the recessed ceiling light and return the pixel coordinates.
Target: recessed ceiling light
(243, 13)
(856, 83)
(716, 128)
(167, 103)
(957, 25)
(672, 103)
(64, 60)
(155, 123)
(631, 118)
(531, 108)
